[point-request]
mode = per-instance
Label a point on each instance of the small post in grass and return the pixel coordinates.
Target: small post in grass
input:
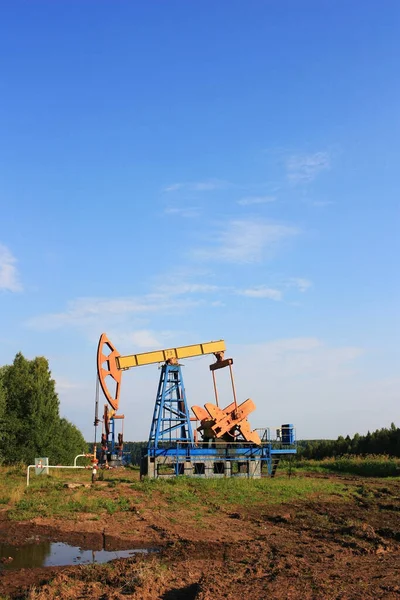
(94, 471)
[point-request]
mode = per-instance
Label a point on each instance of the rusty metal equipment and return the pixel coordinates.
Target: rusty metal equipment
(217, 423)
(222, 437)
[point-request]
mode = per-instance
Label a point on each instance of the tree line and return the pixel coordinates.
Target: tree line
(135, 449)
(380, 441)
(30, 421)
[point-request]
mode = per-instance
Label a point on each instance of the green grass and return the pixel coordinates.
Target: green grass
(223, 492)
(47, 496)
(365, 466)
(47, 501)
(121, 492)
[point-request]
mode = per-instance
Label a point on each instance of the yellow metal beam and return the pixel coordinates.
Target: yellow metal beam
(148, 358)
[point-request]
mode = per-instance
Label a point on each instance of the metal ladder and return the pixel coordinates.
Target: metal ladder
(274, 466)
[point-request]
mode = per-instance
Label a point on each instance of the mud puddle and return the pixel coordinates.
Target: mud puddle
(57, 554)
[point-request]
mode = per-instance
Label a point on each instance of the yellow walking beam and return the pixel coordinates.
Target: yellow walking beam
(148, 358)
(110, 363)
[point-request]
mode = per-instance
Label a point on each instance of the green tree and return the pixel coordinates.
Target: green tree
(68, 443)
(32, 415)
(381, 441)
(355, 444)
(32, 408)
(2, 414)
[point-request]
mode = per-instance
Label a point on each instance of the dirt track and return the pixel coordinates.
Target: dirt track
(335, 549)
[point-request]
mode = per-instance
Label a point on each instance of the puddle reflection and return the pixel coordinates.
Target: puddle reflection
(55, 554)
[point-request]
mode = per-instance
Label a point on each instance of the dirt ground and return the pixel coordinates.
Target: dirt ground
(309, 549)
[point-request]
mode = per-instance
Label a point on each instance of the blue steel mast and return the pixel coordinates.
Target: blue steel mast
(171, 418)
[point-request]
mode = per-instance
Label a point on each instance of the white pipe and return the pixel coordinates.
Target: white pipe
(79, 455)
(51, 467)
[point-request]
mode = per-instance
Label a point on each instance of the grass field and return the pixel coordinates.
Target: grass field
(47, 495)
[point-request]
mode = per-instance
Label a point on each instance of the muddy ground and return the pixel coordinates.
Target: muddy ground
(310, 549)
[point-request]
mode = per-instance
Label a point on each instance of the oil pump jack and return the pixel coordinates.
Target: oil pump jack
(221, 438)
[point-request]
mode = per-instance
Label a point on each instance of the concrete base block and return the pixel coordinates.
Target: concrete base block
(166, 466)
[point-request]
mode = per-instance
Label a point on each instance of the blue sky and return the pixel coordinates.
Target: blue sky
(176, 172)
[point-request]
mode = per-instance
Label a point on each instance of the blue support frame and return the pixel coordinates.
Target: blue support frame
(171, 418)
(171, 434)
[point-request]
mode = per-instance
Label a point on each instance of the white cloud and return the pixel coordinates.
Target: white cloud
(304, 381)
(247, 241)
(141, 338)
(300, 283)
(9, 278)
(174, 187)
(261, 292)
(181, 288)
(65, 385)
(304, 168)
(250, 200)
(186, 212)
(98, 312)
(209, 185)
